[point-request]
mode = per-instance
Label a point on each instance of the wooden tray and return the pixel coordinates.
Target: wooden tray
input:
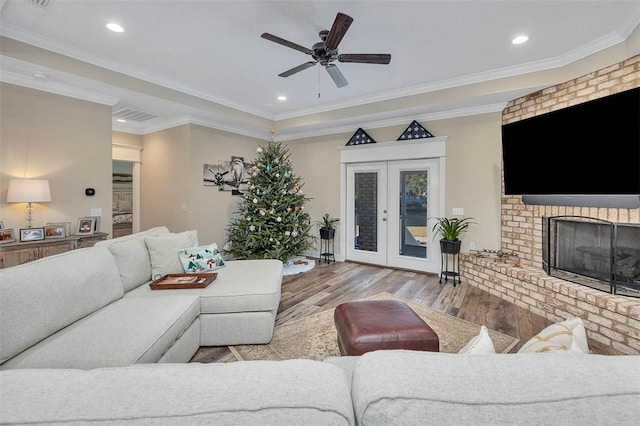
(180, 281)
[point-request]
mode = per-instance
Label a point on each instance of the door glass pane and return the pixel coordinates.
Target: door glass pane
(366, 211)
(413, 213)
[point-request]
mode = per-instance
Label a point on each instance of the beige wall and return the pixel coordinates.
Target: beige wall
(172, 193)
(121, 138)
(472, 171)
(64, 140)
(211, 209)
(164, 179)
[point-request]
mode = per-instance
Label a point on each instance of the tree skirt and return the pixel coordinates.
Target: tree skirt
(298, 265)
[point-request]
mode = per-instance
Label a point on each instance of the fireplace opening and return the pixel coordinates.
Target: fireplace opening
(593, 252)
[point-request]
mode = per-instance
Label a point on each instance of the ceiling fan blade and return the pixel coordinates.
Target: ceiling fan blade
(297, 69)
(336, 75)
(366, 58)
(287, 43)
(339, 28)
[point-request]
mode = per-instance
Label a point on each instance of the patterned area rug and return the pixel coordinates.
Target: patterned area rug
(314, 337)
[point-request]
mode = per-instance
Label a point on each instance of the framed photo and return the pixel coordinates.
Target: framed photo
(54, 231)
(96, 222)
(65, 225)
(86, 225)
(7, 236)
(31, 234)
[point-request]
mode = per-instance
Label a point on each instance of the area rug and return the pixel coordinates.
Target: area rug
(314, 337)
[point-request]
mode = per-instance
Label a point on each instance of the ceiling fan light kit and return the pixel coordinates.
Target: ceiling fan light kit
(325, 52)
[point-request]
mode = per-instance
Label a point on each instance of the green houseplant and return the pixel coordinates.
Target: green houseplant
(449, 231)
(327, 226)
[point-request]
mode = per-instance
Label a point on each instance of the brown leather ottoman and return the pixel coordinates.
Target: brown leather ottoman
(366, 326)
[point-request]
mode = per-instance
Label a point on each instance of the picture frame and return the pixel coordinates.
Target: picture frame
(66, 225)
(86, 225)
(54, 231)
(32, 234)
(96, 222)
(7, 236)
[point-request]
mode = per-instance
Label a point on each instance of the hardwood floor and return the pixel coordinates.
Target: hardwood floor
(328, 285)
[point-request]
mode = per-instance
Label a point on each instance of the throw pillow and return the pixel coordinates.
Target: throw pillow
(566, 336)
(479, 345)
(163, 252)
(201, 259)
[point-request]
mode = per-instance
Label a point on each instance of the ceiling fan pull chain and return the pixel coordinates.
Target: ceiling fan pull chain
(318, 82)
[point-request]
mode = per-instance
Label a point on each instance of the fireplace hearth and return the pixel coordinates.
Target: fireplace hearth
(593, 252)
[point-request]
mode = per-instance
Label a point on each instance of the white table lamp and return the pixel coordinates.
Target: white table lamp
(28, 191)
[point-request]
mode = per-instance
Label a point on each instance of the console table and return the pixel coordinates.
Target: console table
(17, 253)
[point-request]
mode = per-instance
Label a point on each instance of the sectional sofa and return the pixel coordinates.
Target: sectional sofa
(83, 340)
(93, 307)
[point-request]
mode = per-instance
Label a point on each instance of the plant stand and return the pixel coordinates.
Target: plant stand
(327, 245)
(450, 251)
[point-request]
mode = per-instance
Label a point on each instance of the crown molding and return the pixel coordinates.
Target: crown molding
(543, 65)
(22, 35)
(57, 88)
(602, 43)
(381, 122)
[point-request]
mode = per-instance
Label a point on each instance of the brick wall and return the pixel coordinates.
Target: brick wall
(611, 320)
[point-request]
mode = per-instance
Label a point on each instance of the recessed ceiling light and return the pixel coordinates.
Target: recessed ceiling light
(121, 120)
(282, 98)
(520, 39)
(115, 27)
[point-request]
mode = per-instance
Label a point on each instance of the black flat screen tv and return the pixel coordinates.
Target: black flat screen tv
(592, 148)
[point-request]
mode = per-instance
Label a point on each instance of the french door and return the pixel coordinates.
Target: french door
(390, 206)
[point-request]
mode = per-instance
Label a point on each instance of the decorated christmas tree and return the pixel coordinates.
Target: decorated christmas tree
(270, 222)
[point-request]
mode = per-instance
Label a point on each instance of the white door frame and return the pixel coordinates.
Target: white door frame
(427, 148)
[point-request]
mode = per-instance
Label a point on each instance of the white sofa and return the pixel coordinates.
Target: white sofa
(83, 342)
(379, 388)
(92, 308)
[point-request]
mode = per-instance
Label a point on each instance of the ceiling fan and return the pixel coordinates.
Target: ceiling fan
(325, 52)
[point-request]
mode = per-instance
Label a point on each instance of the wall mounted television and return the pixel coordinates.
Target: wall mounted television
(576, 154)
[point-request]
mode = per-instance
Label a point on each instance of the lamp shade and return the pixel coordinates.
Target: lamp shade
(28, 191)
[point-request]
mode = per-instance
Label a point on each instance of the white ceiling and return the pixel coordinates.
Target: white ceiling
(204, 57)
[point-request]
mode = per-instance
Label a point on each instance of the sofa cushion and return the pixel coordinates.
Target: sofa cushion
(132, 258)
(241, 286)
(407, 387)
(240, 393)
(127, 331)
(565, 336)
(163, 251)
(41, 297)
(159, 230)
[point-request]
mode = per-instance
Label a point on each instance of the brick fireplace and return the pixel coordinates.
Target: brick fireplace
(611, 320)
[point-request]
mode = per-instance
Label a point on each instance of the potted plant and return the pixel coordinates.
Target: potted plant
(450, 230)
(327, 226)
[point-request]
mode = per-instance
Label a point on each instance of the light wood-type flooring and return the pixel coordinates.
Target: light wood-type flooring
(328, 285)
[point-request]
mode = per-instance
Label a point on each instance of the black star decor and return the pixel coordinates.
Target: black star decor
(360, 137)
(415, 131)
